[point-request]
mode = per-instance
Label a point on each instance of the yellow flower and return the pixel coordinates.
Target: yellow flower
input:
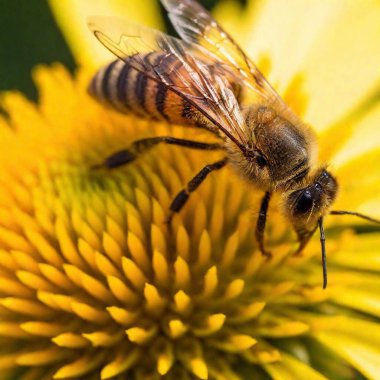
(93, 284)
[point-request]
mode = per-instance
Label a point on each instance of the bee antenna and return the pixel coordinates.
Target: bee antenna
(358, 214)
(323, 247)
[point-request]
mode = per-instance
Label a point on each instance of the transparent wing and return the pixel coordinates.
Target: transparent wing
(192, 77)
(196, 25)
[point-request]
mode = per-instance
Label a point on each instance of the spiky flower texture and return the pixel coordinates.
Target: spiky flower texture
(94, 285)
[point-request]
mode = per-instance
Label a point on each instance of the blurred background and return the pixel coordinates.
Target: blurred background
(29, 35)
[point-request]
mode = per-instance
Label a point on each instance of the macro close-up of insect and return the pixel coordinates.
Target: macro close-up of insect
(207, 81)
(189, 190)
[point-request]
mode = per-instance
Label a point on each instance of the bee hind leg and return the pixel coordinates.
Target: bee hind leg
(138, 147)
(260, 225)
(183, 196)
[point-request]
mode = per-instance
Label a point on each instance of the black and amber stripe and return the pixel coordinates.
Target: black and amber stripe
(128, 90)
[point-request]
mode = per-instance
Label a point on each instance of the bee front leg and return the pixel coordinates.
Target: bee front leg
(303, 238)
(183, 196)
(138, 147)
(261, 222)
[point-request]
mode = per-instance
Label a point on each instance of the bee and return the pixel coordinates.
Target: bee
(198, 81)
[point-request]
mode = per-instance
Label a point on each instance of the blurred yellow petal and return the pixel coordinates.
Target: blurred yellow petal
(342, 69)
(365, 137)
(356, 189)
(333, 44)
(289, 369)
(79, 367)
(71, 16)
(359, 254)
(362, 353)
(285, 31)
(122, 362)
(360, 299)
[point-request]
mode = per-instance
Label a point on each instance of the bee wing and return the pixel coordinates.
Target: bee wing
(196, 25)
(192, 79)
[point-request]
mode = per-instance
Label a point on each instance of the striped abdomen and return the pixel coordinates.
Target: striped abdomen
(131, 91)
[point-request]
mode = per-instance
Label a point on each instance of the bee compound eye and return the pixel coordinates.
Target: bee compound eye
(261, 161)
(304, 203)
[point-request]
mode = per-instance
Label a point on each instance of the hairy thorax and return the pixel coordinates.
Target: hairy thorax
(277, 152)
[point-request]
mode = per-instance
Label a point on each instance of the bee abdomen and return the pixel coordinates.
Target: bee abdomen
(128, 90)
(115, 85)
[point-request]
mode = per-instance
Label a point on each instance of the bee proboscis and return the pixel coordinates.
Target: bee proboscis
(198, 81)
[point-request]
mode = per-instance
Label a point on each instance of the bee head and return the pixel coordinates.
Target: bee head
(306, 205)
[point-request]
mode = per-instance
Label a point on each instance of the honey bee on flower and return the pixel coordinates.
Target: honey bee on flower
(199, 82)
(93, 285)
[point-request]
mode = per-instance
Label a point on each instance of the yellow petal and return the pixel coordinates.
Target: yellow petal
(14, 288)
(12, 330)
(155, 302)
(140, 335)
(34, 282)
(163, 351)
(160, 267)
(47, 329)
(56, 277)
(26, 307)
(199, 368)
(182, 274)
(334, 69)
(204, 250)
(245, 313)
(134, 273)
(96, 288)
(230, 250)
(191, 355)
(70, 340)
(360, 299)
(158, 239)
(365, 138)
(72, 15)
(283, 328)
(182, 302)
(104, 338)
(41, 357)
(210, 282)
(123, 316)
(121, 363)
(79, 367)
(210, 325)
(121, 291)
(234, 289)
(362, 355)
(89, 313)
(183, 243)
(290, 368)
(112, 248)
(138, 252)
(177, 328)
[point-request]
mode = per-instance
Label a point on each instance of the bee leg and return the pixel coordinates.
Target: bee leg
(303, 238)
(261, 222)
(182, 197)
(138, 147)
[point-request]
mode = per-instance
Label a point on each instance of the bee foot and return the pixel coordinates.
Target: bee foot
(298, 253)
(268, 255)
(96, 166)
(168, 220)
